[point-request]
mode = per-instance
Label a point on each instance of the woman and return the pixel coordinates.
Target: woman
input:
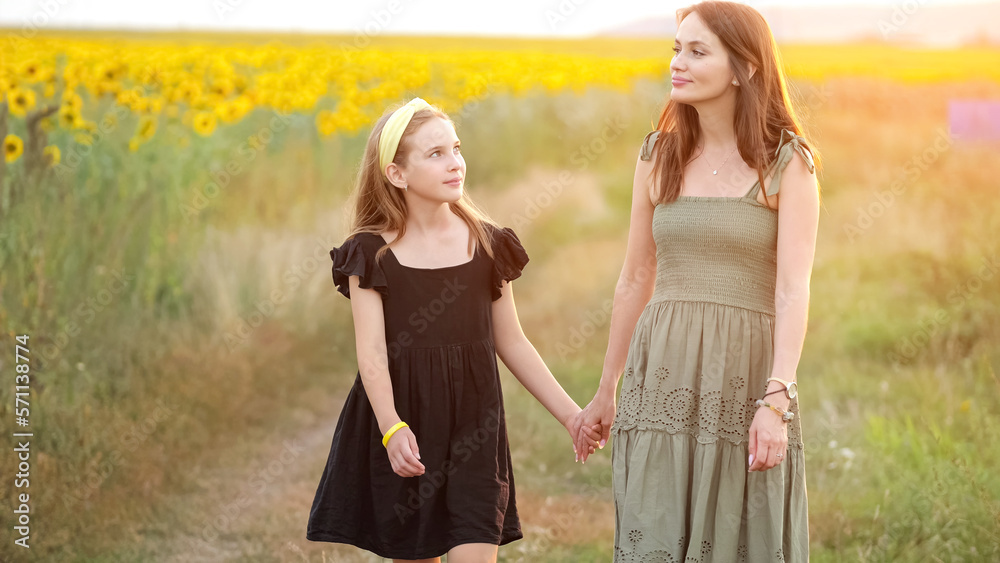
(707, 457)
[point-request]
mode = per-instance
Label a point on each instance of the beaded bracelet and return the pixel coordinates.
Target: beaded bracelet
(395, 427)
(785, 415)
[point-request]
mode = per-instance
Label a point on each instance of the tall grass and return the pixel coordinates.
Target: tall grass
(128, 271)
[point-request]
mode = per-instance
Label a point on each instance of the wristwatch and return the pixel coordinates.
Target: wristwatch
(791, 388)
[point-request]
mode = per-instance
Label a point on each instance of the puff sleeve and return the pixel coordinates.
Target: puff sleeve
(509, 258)
(356, 257)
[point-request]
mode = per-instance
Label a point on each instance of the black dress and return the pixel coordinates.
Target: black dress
(445, 383)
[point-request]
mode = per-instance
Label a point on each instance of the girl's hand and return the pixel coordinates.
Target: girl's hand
(404, 454)
(599, 414)
(768, 444)
(577, 428)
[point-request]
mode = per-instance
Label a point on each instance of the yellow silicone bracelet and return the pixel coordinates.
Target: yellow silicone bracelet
(395, 427)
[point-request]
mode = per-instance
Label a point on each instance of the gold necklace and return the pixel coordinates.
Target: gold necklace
(715, 171)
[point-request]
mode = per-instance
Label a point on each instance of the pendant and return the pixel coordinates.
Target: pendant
(714, 172)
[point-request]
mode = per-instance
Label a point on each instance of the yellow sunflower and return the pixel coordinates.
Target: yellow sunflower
(186, 91)
(6, 84)
(109, 121)
(72, 100)
(53, 154)
(13, 147)
(326, 123)
(154, 105)
(223, 86)
(69, 118)
(21, 100)
(146, 128)
(31, 71)
(228, 112)
(204, 123)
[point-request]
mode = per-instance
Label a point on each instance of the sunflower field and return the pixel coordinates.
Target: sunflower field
(179, 88)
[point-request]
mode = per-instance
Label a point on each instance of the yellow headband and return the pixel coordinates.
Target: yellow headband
(388, 141)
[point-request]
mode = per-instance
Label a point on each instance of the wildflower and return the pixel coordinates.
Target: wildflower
(204, 123)
(53, 154)
(21, 100)
(13, 147)
(146, 128)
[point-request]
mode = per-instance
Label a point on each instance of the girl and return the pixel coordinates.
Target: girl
(707, 457)
(420, 464)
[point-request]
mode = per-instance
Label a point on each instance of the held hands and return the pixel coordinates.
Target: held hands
(404, 455)
(593, 425)
(591, 434)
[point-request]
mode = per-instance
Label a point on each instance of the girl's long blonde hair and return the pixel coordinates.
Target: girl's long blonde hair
(379, 206)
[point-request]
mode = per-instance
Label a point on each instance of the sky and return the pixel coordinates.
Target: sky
(567, 18)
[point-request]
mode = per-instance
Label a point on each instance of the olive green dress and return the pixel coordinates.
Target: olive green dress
(699, 358)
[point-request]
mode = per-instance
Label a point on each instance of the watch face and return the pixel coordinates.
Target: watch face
(792, 390)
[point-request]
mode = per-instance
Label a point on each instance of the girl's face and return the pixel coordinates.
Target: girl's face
(700, 70)
(434, 168)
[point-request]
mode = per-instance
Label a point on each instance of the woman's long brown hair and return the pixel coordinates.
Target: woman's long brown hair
(379, 206)
(763, 107)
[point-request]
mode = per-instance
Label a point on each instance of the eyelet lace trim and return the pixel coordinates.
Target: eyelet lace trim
(709, 416)
(633, 552)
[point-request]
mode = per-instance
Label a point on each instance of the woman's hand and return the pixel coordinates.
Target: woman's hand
(591, 434)
(768, 444)
(404, 455)
(599, 413)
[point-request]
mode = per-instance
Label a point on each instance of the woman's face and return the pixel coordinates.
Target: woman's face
(700, 70)
(434, 168)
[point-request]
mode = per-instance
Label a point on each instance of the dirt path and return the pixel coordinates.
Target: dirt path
(252, 502)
